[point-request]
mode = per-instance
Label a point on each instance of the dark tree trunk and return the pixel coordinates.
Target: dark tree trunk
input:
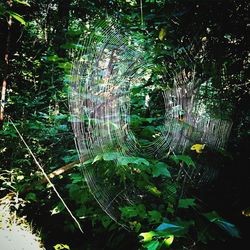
(62, 26)
(6, 66)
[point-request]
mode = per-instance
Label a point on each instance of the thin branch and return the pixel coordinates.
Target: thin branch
(141, 8)
(46, 176)
(60, 170)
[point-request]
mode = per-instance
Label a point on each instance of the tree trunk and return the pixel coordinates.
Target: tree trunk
(62, 25)
(6, 67)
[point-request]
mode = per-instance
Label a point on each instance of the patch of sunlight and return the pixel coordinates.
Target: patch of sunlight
(15, 232)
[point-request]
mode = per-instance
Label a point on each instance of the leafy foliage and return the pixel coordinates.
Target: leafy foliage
(210, 36)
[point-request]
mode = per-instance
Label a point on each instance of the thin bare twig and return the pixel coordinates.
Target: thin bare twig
(46, 176)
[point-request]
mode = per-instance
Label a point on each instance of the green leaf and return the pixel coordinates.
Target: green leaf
(133, 211)
(70, 158)
(124, 161)
(185, 158)
(22, 2)
(53, 58)
(110, 156)
(72, 45)
(211, 216)
(223, 224)
(162, 34)
(153, 245)
(76, 178)
(168, 240)
(88, 162)
(106, 221)
(153, 190)
(61, 247)
(31, 197)
(186, 203)
(229, 227)
(65, 65)
(2, 9)
(57, 209)
(18, 17)
(148, 236)
(140, 161)
(129, 212)
(135, 226)
(160, 169)
(97, 158)
(154, 216)
(8, 133)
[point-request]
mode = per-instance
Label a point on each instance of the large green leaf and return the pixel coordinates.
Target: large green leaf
(168, 240)
(70, 158)
(185, 203)
(183, 158)
(229, 227)
(223, 224)
(124, 161)
(148, 236)
(18, 17)
(160, 169)
(133, 211)
(110, 156)
(154, 216)
(153, 245)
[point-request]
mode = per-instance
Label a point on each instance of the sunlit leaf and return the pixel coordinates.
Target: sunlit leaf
(162, 34)
(61, 247)
(18, 17)
(168, 240)
(198, 148)
(57, 209)
(154, 190)
(22, 2)
(148, 236)
(97, 158)
(246, 212)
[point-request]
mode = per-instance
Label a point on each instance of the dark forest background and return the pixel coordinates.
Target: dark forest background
(35, 42)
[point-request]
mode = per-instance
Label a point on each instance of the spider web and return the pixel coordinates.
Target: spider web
(106, 66)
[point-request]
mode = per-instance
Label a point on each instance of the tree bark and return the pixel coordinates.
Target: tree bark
(62, 24)
(6, 66)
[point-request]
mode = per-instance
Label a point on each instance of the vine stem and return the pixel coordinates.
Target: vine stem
(141, 8)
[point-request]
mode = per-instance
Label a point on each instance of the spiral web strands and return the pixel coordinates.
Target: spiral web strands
(105, 67)
(99, 104)
(188, 117)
